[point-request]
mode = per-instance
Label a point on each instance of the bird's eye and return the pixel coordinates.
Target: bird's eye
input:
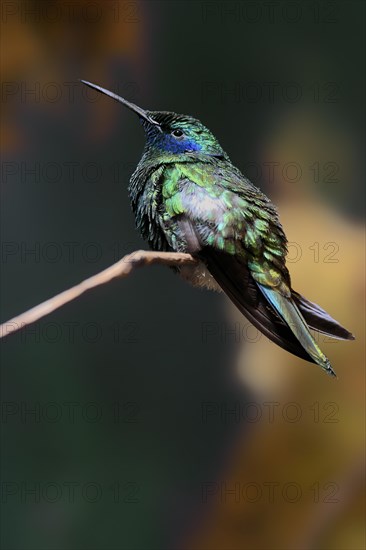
(177, 133)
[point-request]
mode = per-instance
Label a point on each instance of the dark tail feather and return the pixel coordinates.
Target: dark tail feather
(236, 281)
(320, 320)
(292, 316)
(285, 321)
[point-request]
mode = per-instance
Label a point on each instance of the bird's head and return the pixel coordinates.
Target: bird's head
(169, 133)
(180, 134)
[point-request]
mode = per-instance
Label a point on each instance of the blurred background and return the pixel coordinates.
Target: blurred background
(148, 414)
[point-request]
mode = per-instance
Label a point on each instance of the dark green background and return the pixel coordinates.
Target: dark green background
(160, 369)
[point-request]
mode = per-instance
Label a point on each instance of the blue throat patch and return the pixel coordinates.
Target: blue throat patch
(171, 145)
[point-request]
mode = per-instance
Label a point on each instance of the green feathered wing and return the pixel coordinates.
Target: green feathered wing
(213, 212)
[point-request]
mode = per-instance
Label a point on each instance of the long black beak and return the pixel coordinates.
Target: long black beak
(138, 110)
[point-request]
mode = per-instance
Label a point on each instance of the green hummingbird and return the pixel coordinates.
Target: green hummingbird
(187, 196)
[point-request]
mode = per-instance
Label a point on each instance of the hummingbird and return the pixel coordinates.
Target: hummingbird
(187, 196)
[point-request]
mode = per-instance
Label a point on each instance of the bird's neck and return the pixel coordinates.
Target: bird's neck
(152, 158)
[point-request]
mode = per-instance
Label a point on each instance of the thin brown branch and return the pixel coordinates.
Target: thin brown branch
(122, 268)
